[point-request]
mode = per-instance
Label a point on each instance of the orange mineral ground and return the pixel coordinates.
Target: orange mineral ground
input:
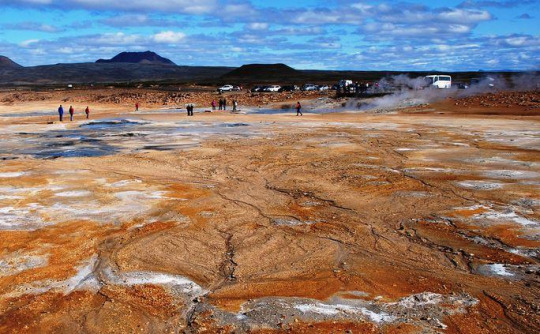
(415, 220)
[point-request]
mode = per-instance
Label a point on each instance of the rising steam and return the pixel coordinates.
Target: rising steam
(403, 91)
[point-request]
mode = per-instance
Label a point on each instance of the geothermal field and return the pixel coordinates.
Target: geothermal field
(388, 215)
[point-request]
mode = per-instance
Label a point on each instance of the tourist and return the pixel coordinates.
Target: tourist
(213, 104)
(87, 112)
(71, 112)
(137, 106)
(234, 105)
(298, 107)
(224, 104)
(61, 112)
(220, 104)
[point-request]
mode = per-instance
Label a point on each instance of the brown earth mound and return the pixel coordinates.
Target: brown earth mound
(263, 73)
(6, 63)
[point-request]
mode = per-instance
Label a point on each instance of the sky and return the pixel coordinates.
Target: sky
(327, 35)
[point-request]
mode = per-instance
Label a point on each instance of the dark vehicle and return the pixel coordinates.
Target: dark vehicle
(257, 89)
(290, 88)
(334, 87)
(486, 82)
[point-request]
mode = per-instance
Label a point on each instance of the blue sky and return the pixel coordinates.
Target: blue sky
(340, 34)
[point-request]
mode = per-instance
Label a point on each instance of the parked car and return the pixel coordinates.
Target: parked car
(289, 88)
(345, 83)
(257, 89)
(273, 88)
(237, 88)
(322, 88)
(309, 87)
(226, 88)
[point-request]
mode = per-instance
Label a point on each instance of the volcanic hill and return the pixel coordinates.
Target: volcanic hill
(147, 57)
(6, 63)
(262, 72)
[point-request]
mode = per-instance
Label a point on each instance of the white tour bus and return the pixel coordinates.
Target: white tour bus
(438, 81)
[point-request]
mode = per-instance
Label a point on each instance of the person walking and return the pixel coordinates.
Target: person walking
(224, 104)
(61, 113)
(234, 105)
(87, 112)
(71, 112)
(137, 106)
(298, 108)
(213, 104)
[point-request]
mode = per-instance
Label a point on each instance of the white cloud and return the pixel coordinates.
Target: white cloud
(363, 8)
(66, 50)
(116, 39)
(126, 20)
(168, 6)
(464, 16)
(32, 26)
(169, 37)
(459, 28)
(243, 10)
(28, 42)
(175, 6)
(258, 26)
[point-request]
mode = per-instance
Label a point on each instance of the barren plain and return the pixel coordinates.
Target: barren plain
(423, 219)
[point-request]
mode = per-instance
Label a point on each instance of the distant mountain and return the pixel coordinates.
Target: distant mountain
(147, 57)
(262, 73)
(86, 73)
(6, 63)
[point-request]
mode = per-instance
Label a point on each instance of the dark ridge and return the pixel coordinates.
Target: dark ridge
(147, 57)
(5, 62)
(94, 73)
(264, 72)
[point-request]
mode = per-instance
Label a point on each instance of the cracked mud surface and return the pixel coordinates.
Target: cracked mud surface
(405, 223)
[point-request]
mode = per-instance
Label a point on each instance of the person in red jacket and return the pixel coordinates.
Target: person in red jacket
(71, 112)
(298, 108)
(87, 112)
(137, 106)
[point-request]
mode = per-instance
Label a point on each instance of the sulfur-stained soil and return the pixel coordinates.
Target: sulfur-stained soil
(419, 220)
(201, 97)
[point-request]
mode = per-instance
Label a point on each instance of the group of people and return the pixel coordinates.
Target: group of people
(71, 112)
(222, 104)
(190, 108)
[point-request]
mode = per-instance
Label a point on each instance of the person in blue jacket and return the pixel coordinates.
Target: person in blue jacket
(60, 112)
